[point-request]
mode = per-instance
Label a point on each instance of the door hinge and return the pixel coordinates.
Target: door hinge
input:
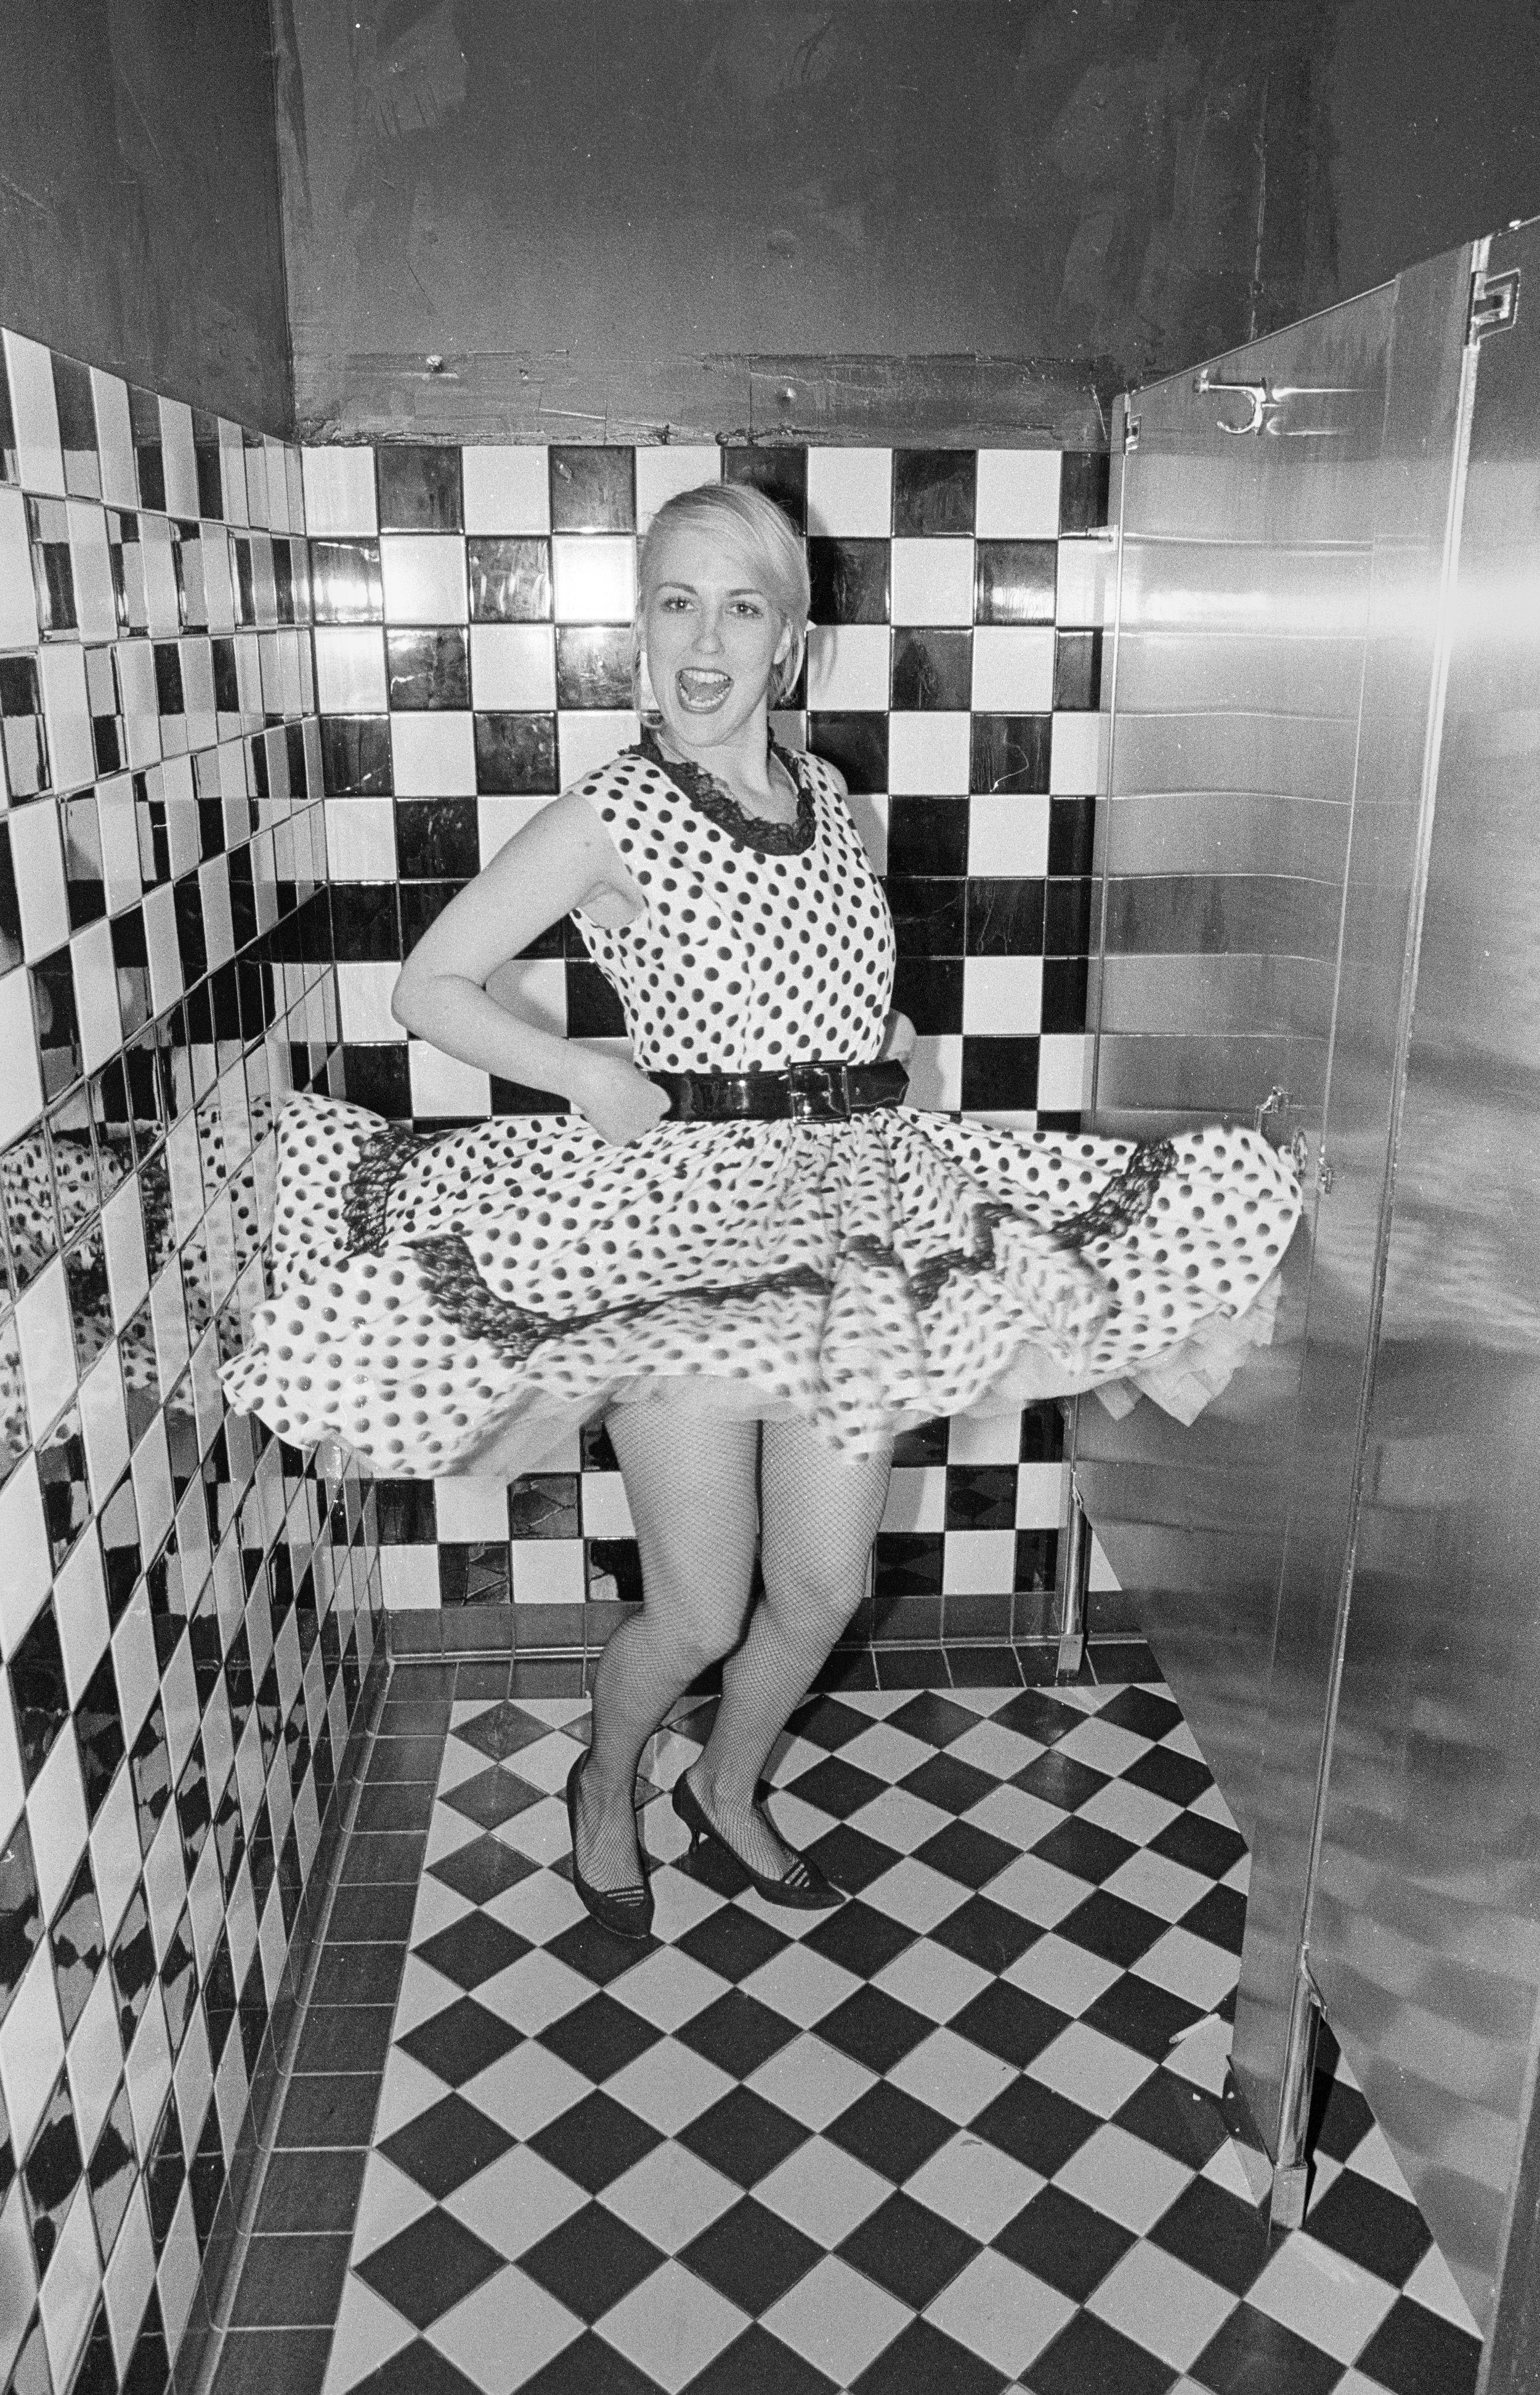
(1325, 1175)
(1493, 304)
(1130, 432)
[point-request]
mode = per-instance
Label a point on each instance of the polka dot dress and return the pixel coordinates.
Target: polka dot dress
(458, 1303)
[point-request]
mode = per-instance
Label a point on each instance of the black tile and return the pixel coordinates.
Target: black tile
(78, 1946)
(1066, 981)
(1250, 2350)
(591, 2261)
(1085, 1849)
(1072, 824)
(836, 1787)
(1010, 753)
(850, 1858)
(436, 840)
(599, 1954)
(854, 741)
(932, 669)
(751, 2255)
(858, 1938)
(511, 581)
(781, 472)
(949, 1783)
(344, 2037)
(429, 668)
(1087, 2353)
(39, 1695)
(594, 1009)
(1008, 2022)
(277, 2361)
(929, 990)
(1183, 2121)
(593, 488)
(1060, 1779)
(1077, 671)
(757, 2363)
(922, 2360)
(1015, 581)
(587, 2366)
(595, 2141)
(1067, 932)
(963, 1852)
(419, 486)
(292, 2282)
(999, 1073)
(1105, 1924)
(1371, 2226)
(1066, 2243)
(928, 837)
(1414, 2352)
(909, 1563)
(986, 1933)
(1035, 2125)
(460, 2041)
(935, 1718)
(908, 2249)
(1140, 2015)
(515, 754)
(491, 1797)
(471, 1948)
(428, 2266)
(594, 665)
(345, 579)
(52, 2170)
(737, 2033)
(1165, 1773)
(329, 2109)
(417, 2369)
(875, 2028)
(1083, 485)
(303, 2191)
(849, 580)
(890, 2132)
(732, 1942)
(1340, 2117)
(743, 2136)
(1216, 2234)
(1219, 1916)
(1200, 1845)
(927, 914)
(824, 1722)
(934, 490)
(600, 2037)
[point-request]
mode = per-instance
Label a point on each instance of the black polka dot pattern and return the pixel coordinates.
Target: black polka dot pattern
(445, 1300)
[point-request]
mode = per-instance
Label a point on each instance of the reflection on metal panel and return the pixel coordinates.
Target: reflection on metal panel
(1415, 518)
(1426, 1919)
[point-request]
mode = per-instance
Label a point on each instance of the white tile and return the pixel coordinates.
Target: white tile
(115, 439)
(836, 2320)
(1002, 995)
(822, 2191)
(916, 1500)
(364, 992)
(1432, 2282)
(1013, 669)
(1162, 1886)
(39, 457)
(1018, 493)
(812, 2081)
(474, 2334)
(670, 2195)
(525, 2090)
(1062, 1974)
(929, 754)
(1064, 1070)
(506, 489)
(1078, 764)
(1130, 1812)
(1087, 571)
(1037, 1891)
(80, 1609)
(500, 820)
(368, 2332)
(32, 2049)
(360, 844)
(1001, 2311)
(850, 493)
(37, 861)
(20, 1085)
(17, 596)
(1322, 2296)
(1098, 2074)
(1193, 1968)
(1008, 836)
(973, 2183)
(422, 575)
(979, 1562)
(339, 492)
(585, 740)
(593, 577)
(663, 473)
(800, 1985)
(471, 1509)
(433, 755)
(669, 2086)
(349, 669)
(95, 975)
(672, 2325)
(513, 665)
(70, 2288)
(1162, 2304)
(932, 581)
(936, 1072)
(516, 2200)
(1131, 2181)
(549, 1571)
(849, 666)
(952, 2075)
(47, 1348)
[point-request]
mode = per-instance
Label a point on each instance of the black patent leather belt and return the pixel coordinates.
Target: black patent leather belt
(817, 1091)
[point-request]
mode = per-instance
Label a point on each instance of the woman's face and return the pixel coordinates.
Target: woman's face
(714, 637)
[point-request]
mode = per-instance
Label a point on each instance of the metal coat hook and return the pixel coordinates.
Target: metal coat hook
(1267, 403)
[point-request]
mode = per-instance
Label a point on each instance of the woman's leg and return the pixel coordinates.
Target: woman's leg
(690, 1483)
(821, 1514)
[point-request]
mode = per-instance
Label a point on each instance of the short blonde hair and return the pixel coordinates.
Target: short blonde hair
(737, 512)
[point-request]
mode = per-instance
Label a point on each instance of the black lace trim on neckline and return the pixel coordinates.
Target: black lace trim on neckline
(711, 799)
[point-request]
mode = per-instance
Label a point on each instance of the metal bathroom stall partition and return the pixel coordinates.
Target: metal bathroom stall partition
(1318, 870)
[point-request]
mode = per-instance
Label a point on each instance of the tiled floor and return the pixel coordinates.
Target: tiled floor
(961, 2135)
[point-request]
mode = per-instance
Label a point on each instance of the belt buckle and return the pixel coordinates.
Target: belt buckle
(818, 1092)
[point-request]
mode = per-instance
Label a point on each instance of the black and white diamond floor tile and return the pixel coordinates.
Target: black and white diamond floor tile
(962, 2134)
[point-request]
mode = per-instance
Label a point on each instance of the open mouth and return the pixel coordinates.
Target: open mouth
(701, 691)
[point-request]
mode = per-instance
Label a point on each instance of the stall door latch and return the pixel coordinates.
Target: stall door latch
(1493, 304)
(1271, 1121)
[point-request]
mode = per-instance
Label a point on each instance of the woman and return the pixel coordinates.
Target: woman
(739, 1244)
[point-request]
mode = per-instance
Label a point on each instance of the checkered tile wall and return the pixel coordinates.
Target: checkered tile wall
(473, 644)
(188, 1612)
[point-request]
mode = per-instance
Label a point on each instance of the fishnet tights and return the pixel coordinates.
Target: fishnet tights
(698, 1489)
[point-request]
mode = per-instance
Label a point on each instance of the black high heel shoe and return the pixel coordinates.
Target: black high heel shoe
(627, 1912)
(802, 1883)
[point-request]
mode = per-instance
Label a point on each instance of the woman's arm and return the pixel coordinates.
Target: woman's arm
(558, 861)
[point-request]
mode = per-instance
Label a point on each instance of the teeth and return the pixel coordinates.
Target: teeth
(700, 687)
